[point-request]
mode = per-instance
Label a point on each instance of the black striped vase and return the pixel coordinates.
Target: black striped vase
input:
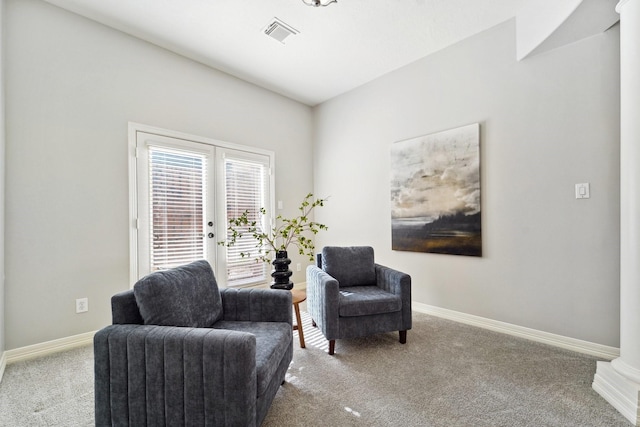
(281, 272)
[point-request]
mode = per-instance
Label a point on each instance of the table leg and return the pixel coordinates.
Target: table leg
(298, 326)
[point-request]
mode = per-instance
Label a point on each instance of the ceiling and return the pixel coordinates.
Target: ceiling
(338, 47)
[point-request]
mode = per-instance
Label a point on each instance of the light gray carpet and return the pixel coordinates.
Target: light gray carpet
(448, 374)
(55, 390)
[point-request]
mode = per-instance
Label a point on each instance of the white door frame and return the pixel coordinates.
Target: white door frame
(134, 129)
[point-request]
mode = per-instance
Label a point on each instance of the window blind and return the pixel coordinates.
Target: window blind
(245, 190)
(177, 205)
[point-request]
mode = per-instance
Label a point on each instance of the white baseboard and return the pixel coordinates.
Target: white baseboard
(48, 347)
(3, 363)
(620, 392)
(573, 344)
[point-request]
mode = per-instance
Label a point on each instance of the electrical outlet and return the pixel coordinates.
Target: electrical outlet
(582, 191)
(299, 267)
(82, 305)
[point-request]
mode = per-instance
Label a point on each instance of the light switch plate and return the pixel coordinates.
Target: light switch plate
(582, 191)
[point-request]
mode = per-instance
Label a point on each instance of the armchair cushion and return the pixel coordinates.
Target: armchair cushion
(350, 266)
(366, 300)
(273, 339)
(183, 296)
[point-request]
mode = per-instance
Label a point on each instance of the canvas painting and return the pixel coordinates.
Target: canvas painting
(435, 193)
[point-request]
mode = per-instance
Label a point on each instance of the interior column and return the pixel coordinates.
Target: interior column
(619, 381)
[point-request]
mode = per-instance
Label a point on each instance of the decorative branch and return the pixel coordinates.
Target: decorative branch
(286, 232)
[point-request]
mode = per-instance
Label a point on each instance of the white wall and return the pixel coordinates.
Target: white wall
(537, 21)
(2, 182)
(550, 262)
(72, 87)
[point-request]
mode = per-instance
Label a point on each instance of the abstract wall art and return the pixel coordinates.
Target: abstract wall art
(435, 193)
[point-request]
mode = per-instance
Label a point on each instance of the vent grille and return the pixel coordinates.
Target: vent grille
(279, 31)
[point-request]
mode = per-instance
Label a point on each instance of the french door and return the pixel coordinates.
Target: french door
(185, 192)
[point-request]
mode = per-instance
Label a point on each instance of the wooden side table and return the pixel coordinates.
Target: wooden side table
(297, 296)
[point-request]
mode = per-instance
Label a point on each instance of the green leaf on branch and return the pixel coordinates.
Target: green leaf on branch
(286, 232)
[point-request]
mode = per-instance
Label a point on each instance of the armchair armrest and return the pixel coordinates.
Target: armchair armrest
(398, 283)
(124, 309)
(257, 305)
(393, 281)
(165, 375)
(323, 295)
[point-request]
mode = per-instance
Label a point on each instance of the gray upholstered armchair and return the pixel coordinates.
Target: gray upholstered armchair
(350, 296)
(182, 352)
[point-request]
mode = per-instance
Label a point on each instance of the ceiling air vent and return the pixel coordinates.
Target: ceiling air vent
(279, 30)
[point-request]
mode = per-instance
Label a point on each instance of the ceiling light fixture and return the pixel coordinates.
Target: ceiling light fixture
(316, 3)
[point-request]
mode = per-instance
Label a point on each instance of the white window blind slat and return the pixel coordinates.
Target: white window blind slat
(177, 181)
(245, 190)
